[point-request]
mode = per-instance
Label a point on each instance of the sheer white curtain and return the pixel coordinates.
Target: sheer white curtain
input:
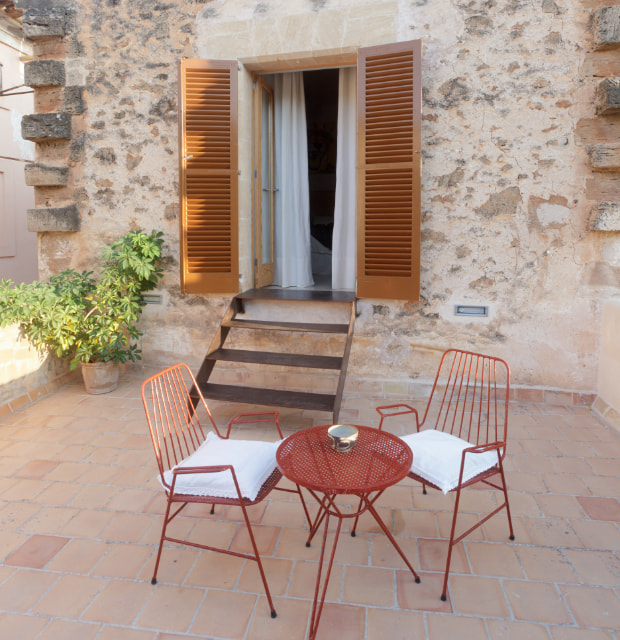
(292, 265)
(345, 214)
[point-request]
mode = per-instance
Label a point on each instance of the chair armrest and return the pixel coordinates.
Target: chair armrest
(491, 446)
(179, 471)
(391, 410)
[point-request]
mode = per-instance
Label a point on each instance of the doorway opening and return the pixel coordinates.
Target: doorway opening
(298, 196)
(321, 94)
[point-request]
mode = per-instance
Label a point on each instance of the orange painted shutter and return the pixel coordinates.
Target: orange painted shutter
(208, 176)
(389, 138)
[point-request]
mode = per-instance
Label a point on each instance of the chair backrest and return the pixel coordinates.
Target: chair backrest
(470, 397)
(174, 422)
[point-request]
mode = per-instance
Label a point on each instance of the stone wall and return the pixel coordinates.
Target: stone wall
(519, 205)
(25, 375)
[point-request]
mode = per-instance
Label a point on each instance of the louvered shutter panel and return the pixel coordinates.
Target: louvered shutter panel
(208, 176)
(389, 137)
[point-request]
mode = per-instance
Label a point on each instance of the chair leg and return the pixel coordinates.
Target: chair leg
(258, 560)
(450, 545)
(161, 540)
(505, 490)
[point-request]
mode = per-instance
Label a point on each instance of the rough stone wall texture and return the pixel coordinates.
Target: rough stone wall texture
(506, 185)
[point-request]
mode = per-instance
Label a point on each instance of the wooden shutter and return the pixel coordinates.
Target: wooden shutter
(389, 137)
(208, 176)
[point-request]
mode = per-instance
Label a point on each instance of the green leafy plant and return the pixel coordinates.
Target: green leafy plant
(85, 318)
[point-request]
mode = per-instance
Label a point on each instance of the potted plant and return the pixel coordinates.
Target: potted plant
(91, 320)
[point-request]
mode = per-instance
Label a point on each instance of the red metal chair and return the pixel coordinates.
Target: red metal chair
(461, 439)
(200, 467)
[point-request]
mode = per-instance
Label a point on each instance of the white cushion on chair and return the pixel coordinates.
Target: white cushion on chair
(253, 461)
(437, 458)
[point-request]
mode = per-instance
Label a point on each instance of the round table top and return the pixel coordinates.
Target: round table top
(377, 461)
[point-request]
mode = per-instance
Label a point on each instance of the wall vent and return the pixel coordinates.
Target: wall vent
(471, 310)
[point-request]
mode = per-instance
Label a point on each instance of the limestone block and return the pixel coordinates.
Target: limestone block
(606, 27)
(605, 217)
(41, 175)
(45, 127)
(44, 22)
(73, 100)
(64, 219)
(44, 73)
(605, 157)
(607, 99)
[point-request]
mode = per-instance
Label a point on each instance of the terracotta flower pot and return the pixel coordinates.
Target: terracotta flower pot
(100, 377)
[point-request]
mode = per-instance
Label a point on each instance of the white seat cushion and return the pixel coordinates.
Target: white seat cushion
(437, 458)
(253, 461)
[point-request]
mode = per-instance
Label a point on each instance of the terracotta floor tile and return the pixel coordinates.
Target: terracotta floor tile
(57, 494)
(278, 572)
(78, 556)
(120, 633)
(464, 522)
(10, 540)
(35, 469)
(132, 500)
(472, 595)
(452, 626)
(224, 614)
(171, 608)
(601, 508)
(87, 523)
(22, 590)
(119, 602)
(546, 564)
(369, 585)
(122, 561)
(383, 553)
(566, 464)
(422, 596)
(489, 559)
(130, 527)
(595, 607)
(266, 538)
(342, 621)
(67, 471)
(14, 514)
(536, 602)
(554, 532)
(596, 568)
(602, 486)
(415, 523)
(596, 534)
(20, 626)
(211, 569)
(529, 482)
(93, 496)
(69, 596)
(575, 633)
(69, 630)
(564, 483)
(290, 624)
(556, 506)
(395, 624)
(36, 552)
(433, 555)
(510, 630)
(303, 581)
(496, 529)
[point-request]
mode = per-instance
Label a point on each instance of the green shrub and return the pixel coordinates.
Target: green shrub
(88, 319)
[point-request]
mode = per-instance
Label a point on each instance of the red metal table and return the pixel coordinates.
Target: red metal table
(377, 461)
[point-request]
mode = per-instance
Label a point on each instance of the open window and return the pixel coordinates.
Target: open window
(387, 182)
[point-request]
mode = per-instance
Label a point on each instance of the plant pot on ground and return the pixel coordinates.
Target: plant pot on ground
(84, 317)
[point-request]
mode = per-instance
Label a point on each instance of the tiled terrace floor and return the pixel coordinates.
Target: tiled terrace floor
(80, 518)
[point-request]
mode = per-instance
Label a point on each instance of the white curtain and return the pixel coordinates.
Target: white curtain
(345, 215)
(292, 265)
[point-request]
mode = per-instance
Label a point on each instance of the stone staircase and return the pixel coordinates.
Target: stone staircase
(284, 331)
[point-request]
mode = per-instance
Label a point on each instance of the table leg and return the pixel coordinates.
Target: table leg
(317, 607)
(324, 503)
(391, 538)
